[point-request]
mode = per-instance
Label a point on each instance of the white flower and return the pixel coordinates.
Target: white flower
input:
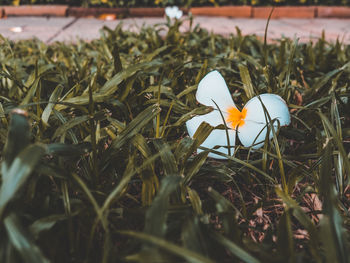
(250, 123)
(173, 12)
(16, 29)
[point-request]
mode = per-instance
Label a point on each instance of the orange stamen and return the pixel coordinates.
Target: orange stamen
(235, 117)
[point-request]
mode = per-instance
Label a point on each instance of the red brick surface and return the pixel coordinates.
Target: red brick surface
(146, 12)
(96, 12)
(285, 12)
(42, 10)
(223, 11)
(333, 11)
(227, 11)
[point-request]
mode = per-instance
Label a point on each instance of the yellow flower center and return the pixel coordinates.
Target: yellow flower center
(235, 117)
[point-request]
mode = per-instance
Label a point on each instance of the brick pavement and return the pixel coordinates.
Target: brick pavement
(50, 29)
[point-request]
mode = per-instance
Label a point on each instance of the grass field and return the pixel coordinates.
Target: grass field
(97, 165)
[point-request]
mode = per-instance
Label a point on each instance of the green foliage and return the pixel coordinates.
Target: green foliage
(101, 169)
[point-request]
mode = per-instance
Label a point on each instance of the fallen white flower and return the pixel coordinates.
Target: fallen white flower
(250, 123)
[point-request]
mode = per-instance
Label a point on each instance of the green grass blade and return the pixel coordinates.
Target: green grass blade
(135, 125)
(247, 81)
(53, 98)
(157, 214)
(18, 138)
(333, 235)
(235, 249)
(167, 157)
(19, 172)
(22, 241)
(285, 242)
(190, 256)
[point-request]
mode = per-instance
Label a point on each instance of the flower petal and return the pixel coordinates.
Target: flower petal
(275, 105)
(213, 118)
(216, 137)
(213, 88)
(179, 14)
(255, 120)
(252, 133)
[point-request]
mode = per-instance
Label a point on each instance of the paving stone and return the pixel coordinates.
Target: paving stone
(89, 28)
(33, 27)
(83, 28)
(333, 28)
(70, 29)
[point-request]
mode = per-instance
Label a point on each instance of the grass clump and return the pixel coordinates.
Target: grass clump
(102, 170)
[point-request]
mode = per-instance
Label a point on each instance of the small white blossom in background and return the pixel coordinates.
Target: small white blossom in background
(16, 29)
(173, 12)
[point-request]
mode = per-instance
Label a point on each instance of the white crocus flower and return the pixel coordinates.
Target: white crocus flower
(250, 123)
(173, 12)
